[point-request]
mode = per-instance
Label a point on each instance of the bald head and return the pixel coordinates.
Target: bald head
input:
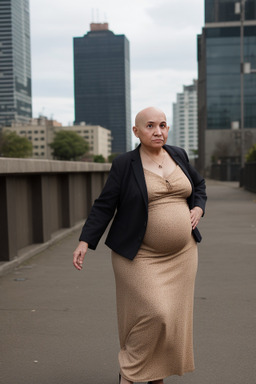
(151, 128)
(148, 114)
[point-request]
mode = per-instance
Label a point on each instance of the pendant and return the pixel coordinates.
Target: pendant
(160, 166)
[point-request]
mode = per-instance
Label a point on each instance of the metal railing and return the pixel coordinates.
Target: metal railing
(225, 172)
(249, 176)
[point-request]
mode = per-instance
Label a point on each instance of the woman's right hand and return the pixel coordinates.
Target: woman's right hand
(79, 254)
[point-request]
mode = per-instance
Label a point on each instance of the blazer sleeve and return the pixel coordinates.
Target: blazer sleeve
(103, 209)
(199, 196)
(199, 186)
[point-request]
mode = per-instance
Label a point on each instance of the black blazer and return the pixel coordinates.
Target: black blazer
(125, 196)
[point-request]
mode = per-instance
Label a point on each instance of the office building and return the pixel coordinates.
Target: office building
(102, 83)
(219, 75)
(15, 62)
(185, 127)
(40, 131)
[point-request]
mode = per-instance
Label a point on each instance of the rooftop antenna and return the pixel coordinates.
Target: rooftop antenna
(92, 15)
(97, 15)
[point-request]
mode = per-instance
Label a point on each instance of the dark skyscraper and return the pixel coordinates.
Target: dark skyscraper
(219, 90)
(102, 83)
(15, 62)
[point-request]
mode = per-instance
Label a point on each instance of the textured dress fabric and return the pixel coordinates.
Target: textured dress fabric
(155, 291)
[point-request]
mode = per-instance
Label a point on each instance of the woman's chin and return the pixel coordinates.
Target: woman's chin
(158, 143)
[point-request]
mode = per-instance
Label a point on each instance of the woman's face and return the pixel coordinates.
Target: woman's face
(151, 128)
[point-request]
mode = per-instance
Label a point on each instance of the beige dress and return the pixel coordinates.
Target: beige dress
(155, 291)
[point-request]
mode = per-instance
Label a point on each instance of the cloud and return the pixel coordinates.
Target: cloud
(158, 88)
(177, 14)
(56, 108)
(162, 37)
(173, 51)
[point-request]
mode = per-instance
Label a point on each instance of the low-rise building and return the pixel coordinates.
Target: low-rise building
(41, 132)
(98, 138)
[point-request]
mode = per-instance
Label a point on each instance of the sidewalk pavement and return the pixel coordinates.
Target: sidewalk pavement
(58, 325)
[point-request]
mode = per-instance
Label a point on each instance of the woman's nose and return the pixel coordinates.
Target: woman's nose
(158, 130)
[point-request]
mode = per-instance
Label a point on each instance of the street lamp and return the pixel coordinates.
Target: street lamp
(239, 9)
(245, 68)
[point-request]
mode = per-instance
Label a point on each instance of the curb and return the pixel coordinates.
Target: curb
(33, 250)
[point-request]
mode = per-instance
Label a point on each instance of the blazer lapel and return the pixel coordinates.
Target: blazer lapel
(179, 161)
(139, 174)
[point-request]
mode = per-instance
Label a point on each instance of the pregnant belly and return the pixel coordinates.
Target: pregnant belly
(169, 228)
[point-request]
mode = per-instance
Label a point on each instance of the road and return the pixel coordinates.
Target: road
(58, 325)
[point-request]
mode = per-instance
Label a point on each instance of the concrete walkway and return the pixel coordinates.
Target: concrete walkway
(58, 325)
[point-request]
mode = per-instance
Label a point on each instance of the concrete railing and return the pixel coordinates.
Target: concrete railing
(41, 198)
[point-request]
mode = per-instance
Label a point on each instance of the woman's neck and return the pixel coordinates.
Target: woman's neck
(152, 151)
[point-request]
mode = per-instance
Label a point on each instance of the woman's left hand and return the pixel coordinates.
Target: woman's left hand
(195, 216)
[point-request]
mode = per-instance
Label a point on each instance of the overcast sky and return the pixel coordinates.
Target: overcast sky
(162, 36)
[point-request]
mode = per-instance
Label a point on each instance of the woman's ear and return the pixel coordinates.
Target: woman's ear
(135, 131)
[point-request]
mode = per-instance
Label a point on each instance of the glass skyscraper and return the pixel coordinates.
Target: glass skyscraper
(217, 11)
(219, 96)
(15, 62)
(223, 76)
(102, 83)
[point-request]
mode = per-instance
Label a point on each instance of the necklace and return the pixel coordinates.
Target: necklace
(159, 165)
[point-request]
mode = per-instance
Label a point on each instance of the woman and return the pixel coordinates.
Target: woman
(157, 200)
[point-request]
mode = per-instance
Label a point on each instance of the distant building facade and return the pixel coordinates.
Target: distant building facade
(219, 96)
(102, 83)
(185, 123)
(15, 62)
(98, 138)
(41, 132)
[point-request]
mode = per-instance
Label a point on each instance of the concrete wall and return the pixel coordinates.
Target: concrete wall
(38, 198)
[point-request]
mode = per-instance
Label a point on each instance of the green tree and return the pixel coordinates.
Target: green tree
(13, 145)
(112, 157)
(68, 145)
(251, 154)
(98, 159)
